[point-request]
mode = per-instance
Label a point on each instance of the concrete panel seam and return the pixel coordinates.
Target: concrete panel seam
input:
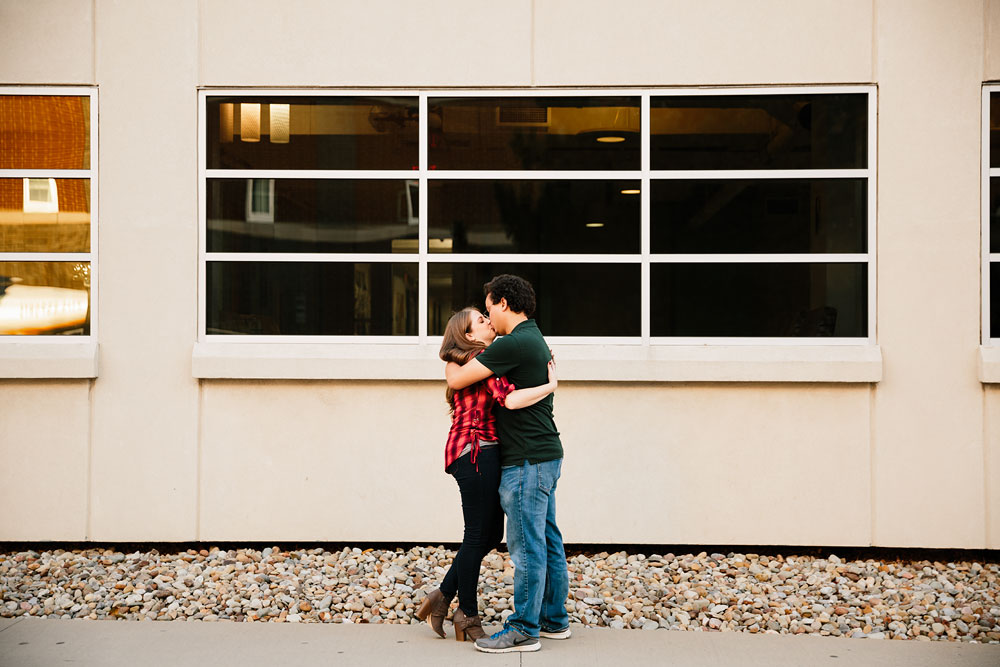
(88, 525)
(531, 56)
(200, 459)
(872, 434)
(12, 624)
(874, 40)
(987, 486)
(93, 42)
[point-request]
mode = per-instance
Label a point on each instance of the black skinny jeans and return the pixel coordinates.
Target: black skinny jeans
(483, 525)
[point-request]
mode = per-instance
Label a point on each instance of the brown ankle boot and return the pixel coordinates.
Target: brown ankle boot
(467, 626)
(434, 609)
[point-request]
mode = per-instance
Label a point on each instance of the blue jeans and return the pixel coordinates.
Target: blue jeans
(541, 578)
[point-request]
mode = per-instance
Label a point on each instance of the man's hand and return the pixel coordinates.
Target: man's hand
(460, 377)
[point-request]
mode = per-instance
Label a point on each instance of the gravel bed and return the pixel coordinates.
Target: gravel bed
(716, 592)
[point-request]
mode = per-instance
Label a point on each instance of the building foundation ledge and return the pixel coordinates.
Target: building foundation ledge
(600, 363)
(49, 359)
(989, 364)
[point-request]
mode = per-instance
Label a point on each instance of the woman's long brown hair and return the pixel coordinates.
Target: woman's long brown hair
(455, 346)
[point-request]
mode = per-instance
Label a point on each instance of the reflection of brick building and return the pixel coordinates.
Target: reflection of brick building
(45, 132)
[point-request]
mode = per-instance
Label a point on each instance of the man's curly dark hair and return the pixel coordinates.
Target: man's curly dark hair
(519, 293)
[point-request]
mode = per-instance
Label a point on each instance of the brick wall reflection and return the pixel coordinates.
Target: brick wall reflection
(44, 132)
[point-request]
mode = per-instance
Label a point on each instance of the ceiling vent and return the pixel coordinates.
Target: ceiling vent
(513, 116)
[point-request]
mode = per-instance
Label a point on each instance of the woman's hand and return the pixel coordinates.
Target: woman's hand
(553, 380)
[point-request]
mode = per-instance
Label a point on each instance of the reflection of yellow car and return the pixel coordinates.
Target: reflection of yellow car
(30, 309)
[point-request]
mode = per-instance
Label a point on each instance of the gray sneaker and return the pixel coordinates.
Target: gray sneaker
(507, 640)
(565, 633)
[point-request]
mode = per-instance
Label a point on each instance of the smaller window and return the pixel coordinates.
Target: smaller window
(40, 195)
(260, 200)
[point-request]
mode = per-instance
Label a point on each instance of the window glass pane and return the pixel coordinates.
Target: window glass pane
(759, 131)
(995, 129)
(312, 298)
(312, 132)
(44, 298)
(994, 299)
(303, 215)
(533, 133)
(758, 216)
(773, 300)
(534, 216)
(995, 215)
(572, 299)
(44, 215)
(44, 132)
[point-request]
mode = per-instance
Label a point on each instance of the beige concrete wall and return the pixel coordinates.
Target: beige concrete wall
(741, 464)
(148, 454)
(47, 41)
(715, 464)
(145, 467)
(326, 460)
(44, 459)
(587, 42)
(429, 43)
(928, 436)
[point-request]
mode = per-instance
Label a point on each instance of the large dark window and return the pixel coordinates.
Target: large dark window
(657, 216)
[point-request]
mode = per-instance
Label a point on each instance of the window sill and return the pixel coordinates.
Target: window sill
(989, 364)
(48, 360)
(625, 363)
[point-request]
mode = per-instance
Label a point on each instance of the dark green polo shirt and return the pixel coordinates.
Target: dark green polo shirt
(529, 433)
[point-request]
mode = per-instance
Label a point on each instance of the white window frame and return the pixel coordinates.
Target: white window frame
(989, 338)
(50, 205)
(645, 258)
(260, 216)
(89, 257)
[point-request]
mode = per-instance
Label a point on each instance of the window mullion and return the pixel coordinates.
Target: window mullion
(644, 218)
(422, 237)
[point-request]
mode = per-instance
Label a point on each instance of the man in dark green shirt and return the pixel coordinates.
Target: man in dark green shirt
(531, 459)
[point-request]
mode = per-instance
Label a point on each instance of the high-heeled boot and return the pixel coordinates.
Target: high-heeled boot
(467, 626)
(434, 609)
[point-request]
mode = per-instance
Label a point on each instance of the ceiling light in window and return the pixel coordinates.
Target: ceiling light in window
(630, 192)
(250, 122)
(226, 122)
(280, 126)
(594, 225)
(611, 140)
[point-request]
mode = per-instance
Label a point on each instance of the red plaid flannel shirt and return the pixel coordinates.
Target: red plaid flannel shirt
(473, 418)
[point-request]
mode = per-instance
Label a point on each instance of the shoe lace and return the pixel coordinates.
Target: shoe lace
(503, 631)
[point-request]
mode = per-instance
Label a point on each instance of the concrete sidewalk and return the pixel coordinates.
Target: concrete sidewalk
(32, 641)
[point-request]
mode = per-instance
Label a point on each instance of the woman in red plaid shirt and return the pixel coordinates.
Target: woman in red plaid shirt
(472, 457)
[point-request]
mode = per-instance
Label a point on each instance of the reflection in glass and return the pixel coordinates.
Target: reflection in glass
(44, 298)
(44, 132)
(44, 215)
(534, 216)
(572, 299)
(303, 215)
(798, 131)
(312, 132)
(995, 215)
(995, 129)
(758, 216)
(533, 133)
(312, 298)
(756, 300)
(994, 299)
